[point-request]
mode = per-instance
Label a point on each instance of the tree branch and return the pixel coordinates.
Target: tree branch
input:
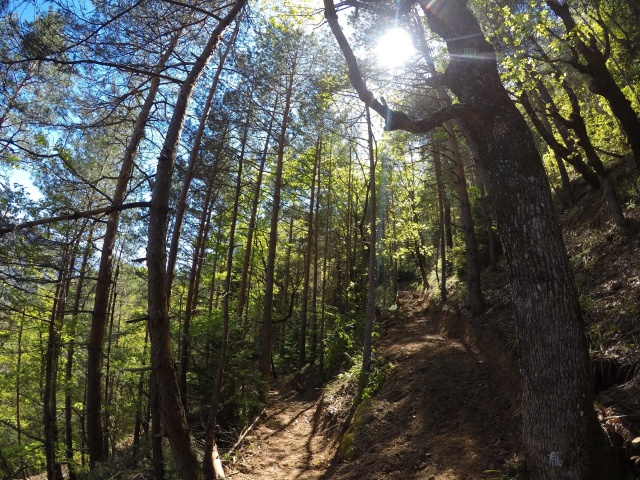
(395, 120)
(72, 216)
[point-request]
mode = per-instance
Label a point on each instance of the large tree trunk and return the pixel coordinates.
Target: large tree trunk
(171, 410)
(562, 437)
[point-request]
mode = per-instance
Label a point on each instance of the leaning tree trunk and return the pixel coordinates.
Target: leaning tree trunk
(103, 285)
(171, 410)
(562, 437)
(194, 154)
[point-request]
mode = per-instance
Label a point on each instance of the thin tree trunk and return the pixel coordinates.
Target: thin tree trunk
(138, 421)
(314, 301)
(577, 124)
(302, 339)
(68, 401)
(267, 317)
(328, 232)
(371, 288)
(194, 153)
(476, 299)
(171, 410)
(441, 234)
(53, 465)
(567, 190)
(242, 292)
(212, 465)
(108, 376)
(192, 289)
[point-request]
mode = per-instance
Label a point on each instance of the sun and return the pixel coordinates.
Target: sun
(394, 48)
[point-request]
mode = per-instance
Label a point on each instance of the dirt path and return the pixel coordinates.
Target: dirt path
(286, 445)
(439, 416)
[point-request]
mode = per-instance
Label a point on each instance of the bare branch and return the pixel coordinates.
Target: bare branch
(72, 216)
(395, 120)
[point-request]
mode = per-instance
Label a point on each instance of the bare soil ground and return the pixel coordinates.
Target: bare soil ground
(441, 414)
(287, 444)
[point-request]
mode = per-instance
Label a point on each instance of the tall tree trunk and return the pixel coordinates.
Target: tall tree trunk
(212, 465)
(192, 290)
(302, 339)
(474, 288)
(108, 375)
(441, 231)
(314, 300)
(242, 291)
(371, 287)
(19, 391)
(323, 302)
(49, 398)
(267, 317)
(139, 412)
(68, 375)
(101, 302)
(171, 410)
(562, 437)
(194, 153)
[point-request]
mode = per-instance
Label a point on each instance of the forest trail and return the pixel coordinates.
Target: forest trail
(440, 415)
(286, 444)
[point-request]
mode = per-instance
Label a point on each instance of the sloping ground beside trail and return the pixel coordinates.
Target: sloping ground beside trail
(440, 415)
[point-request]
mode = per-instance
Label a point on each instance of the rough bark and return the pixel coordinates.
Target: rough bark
(562, 437)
